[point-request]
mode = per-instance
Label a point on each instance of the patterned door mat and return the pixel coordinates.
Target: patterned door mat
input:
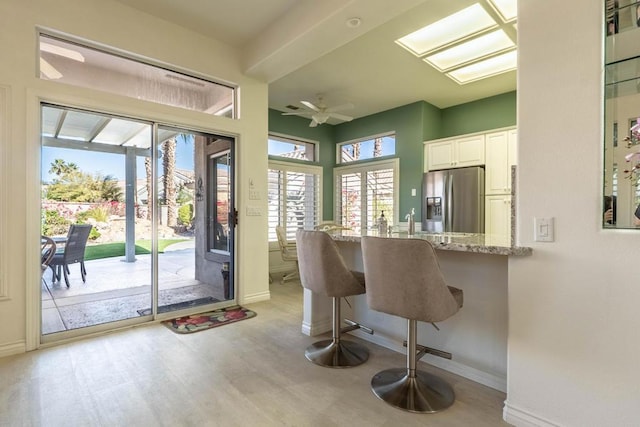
(208, 320)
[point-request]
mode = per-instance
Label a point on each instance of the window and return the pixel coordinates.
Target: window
(293, 197)
(89, 67)
(368, 148)
(292, 149)
(364, 191)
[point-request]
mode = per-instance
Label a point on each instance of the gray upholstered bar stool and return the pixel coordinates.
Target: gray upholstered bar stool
(323, 271)
(404, 279)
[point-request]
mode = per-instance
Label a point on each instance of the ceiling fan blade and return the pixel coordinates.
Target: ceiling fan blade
(310, 105)
(341, 117)
(300, 113)
(313, 123)
(341, 107)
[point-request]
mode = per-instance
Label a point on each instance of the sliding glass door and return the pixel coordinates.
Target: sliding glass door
(158, 204)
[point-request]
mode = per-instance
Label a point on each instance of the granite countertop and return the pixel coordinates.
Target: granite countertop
(461, 242)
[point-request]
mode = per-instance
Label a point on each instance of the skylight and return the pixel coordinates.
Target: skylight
(471, 44)
(453, 27)
(508, 9)
(487, 68)
(473, 49)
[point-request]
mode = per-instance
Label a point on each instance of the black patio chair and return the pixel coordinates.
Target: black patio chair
(72, 253)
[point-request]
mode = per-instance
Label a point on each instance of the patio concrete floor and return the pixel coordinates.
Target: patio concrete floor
(117, 290)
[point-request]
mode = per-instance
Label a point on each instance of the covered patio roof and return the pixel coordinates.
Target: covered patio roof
(75, 129)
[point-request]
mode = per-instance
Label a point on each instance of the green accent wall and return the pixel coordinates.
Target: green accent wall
(485, 114)
(413, 124)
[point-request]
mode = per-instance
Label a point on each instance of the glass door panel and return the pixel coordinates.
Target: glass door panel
(91, 167)
(187, 276)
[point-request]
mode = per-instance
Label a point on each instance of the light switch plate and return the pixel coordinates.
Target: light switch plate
(413, 192)
(253, 211)
(543, 229)
(254, 194)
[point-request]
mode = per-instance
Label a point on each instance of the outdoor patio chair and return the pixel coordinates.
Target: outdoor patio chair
(72, 253)
(47, 252)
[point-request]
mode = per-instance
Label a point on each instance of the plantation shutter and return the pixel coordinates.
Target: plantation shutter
(364, 192)
(293, 197)
(379, 195)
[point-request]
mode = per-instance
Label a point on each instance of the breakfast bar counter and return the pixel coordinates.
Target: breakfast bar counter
(460, 242)
(476, 336)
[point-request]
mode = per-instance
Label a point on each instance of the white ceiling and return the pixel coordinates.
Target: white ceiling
(304, 47)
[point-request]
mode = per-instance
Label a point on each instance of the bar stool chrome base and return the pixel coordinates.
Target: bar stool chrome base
(337, 354)
(424, 393)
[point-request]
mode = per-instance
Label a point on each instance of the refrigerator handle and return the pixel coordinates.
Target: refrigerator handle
(449, 189)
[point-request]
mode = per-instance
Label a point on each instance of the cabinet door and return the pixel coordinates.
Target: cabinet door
(498, 215)
(440, 155)
(469, 151)
(497, 171)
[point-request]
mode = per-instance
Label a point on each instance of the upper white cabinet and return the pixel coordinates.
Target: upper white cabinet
(501, 154)
(455, 153)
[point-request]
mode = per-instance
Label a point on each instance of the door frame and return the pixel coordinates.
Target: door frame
(33, 301)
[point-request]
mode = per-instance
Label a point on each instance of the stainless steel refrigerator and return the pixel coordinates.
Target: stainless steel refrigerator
(453, 201)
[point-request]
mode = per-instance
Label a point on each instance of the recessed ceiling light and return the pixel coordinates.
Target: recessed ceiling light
(354, 22)
(508, 9)
(487, 68)
(454, 27)
(470, 50)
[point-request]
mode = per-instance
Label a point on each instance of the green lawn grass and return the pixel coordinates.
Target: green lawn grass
(109, 250)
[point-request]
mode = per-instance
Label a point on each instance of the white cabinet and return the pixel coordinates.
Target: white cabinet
(455, 153)
(500, 149)
(497, 215)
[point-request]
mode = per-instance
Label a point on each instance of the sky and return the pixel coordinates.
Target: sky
(106, 163)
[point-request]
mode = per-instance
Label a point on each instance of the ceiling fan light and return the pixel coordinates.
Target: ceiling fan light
(320, 118)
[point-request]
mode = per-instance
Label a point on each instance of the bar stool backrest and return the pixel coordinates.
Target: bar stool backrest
(322, 268)
(404, 279)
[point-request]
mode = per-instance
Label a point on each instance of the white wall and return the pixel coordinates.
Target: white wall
(113, 24)
(574, 314)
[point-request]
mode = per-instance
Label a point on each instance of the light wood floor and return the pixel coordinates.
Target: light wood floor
(250, 373)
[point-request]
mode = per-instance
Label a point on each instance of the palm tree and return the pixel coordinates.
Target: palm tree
(59, 167)
(168, 181)
(377, 147)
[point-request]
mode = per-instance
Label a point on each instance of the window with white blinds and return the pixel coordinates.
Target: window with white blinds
(294, 199)
(363, 192)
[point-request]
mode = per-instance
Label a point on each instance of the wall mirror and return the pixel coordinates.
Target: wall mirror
(621, 181)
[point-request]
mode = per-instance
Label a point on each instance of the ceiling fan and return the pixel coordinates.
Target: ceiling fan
(320, 112)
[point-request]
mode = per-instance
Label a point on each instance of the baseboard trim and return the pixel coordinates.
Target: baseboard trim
(13, 348)
(485, 378)
(257, 297)
(521, 418)
(284, 268)
(317, 328)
